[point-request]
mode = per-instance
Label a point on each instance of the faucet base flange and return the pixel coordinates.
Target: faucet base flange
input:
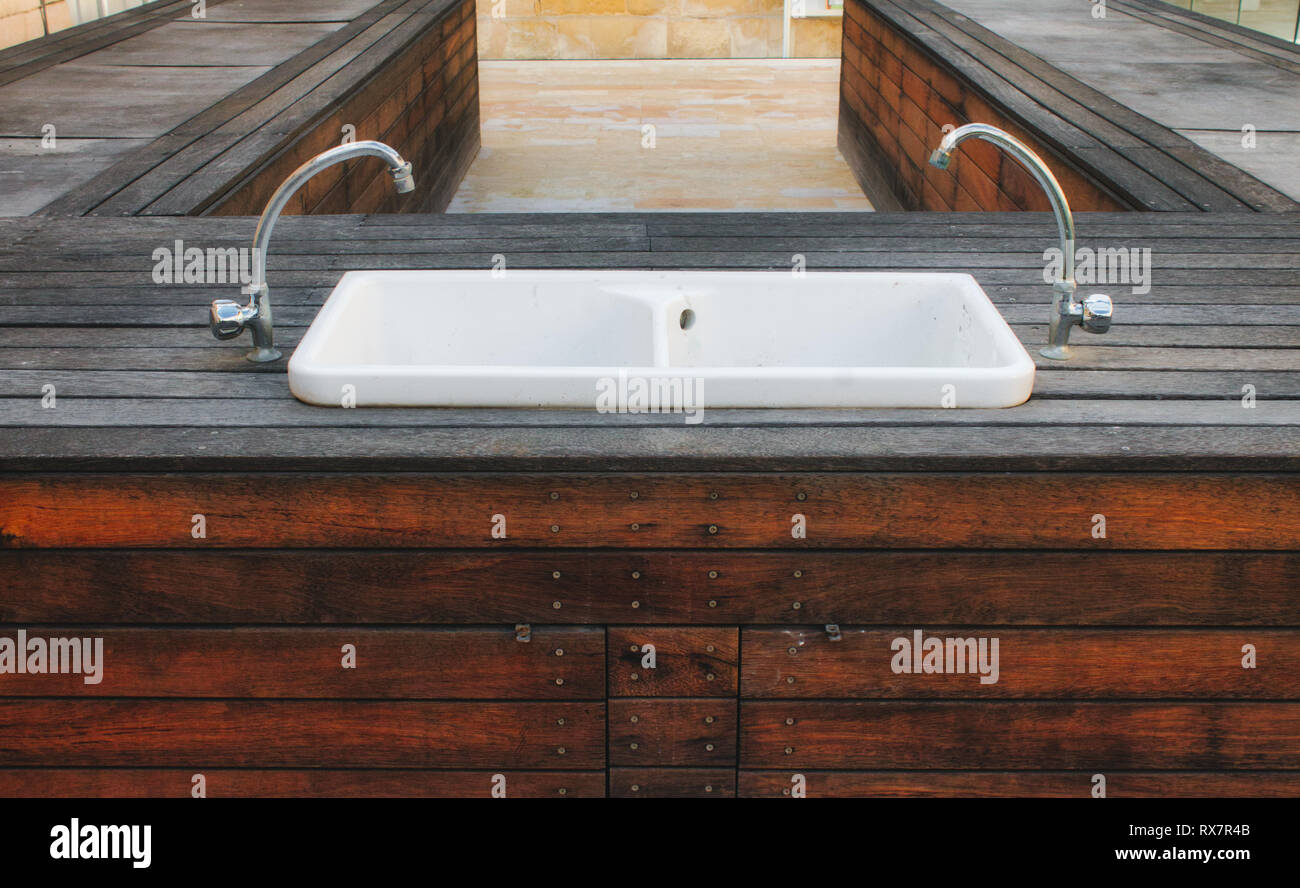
(262, 355)
(1056, 352)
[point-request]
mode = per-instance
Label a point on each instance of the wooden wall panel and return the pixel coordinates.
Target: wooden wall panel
(663, 732)
(307, 783)
(1020, 735)
(301, 734)
(558, 663)
(689, 662)
(677, 783)
(846, 510)
(1023, 784)
(651, 586)
(1054, 663)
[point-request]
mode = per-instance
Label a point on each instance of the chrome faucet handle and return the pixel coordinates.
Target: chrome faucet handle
(1097, 313)
(227, 319)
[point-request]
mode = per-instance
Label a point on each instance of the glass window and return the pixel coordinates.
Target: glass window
(1277, 18)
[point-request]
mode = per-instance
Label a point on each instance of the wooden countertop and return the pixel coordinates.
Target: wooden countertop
(141, 386)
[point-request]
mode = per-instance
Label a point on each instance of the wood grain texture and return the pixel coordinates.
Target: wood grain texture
(839, 510)
(301, 734)
(558, 663)
(1021, 784)
(1056, 663)
(694, 662)
(672, 783)
(315, 783)
(332, 586)
(1020, 735)
(672, 732)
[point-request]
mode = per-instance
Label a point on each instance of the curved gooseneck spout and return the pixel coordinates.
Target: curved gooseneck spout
(1094, 313)
(228, 318)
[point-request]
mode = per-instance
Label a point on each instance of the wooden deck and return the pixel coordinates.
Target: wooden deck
(1143, 164)
(160, 114)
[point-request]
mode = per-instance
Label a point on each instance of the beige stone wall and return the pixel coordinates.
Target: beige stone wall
(647, 29)
(20, 20)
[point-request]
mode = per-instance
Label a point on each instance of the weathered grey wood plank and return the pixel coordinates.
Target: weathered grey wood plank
(1081, 384)
(279, 275)
(927, 448)
(220, 412)
(195, 336)
(230, 359)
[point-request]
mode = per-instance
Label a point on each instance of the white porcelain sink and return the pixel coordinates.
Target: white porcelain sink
(737, 339)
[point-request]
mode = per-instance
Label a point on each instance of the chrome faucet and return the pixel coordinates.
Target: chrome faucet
(228, 318)
(1094, 313)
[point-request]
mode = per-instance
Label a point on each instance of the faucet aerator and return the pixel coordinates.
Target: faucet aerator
(403, 180)
(940, 159)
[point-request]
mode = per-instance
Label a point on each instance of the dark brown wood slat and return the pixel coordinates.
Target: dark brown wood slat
(675, 733)
(1036, 784)
(804, 662)
(292, 734)
(672, 783)
(694, 662)
(1070, 588)
(1001, 735)
(328, 783)
(558, 663)
(757, 510)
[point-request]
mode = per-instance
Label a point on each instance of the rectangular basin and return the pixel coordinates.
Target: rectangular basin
(739, 339)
